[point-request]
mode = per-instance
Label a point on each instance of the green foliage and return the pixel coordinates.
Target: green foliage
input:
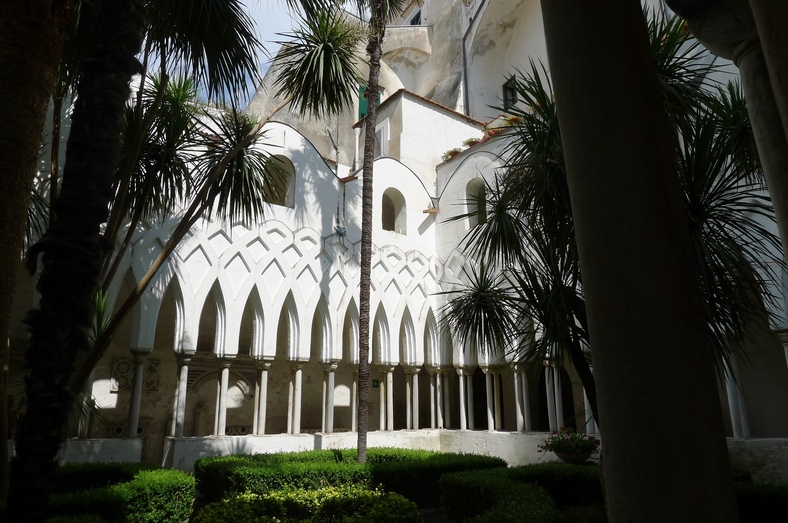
(83, 518)
(152, 496)
(568, 485)
(81, 476)
(589, 514)
(761, 502)
(336, 504)
(488, 496)
(567, 440)
(412, 473)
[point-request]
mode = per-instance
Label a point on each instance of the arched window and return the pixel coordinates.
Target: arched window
(280, 181)
(394, 212)
(476, 202)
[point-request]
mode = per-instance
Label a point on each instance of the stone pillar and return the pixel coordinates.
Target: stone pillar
(446, 402)
(526, 400)
(432, 400)
(221, 404)
(559, 397)
(440, 423)
(390, 399)
(290, 401)
(497, 399)
(469, 394)
(180, 403)
(415, 397)
(328, 412)
(639, 278)
(771, 19)
(550, 389)
(84, 418)
(354, 403)
(408, 399)
(463, 416)
(136, 394)
(518, 399)
(261, 398)
(297, 389)
(382, 408)
(488, 380)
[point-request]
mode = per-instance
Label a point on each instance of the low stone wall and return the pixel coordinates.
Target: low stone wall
(102, 450)
(517, 448)
(765, 459)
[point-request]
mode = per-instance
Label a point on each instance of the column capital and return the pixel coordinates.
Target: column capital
(330, 367)
(225, 362)
(296, 365)
(263, 364)
(140, 353)
(385, 368)
(783, 335)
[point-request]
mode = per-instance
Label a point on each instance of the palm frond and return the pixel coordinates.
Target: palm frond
(318, 64)
(213, 41)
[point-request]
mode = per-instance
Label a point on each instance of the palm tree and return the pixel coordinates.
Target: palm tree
(528, 239)
(231, 181)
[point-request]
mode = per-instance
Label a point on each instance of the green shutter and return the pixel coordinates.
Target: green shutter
(363, 105)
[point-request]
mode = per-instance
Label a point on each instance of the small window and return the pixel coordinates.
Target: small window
(363, 103)
(416, 20)
(510, 93)
(382, 139)
(279, 185)
(476, 202)
(394, 212)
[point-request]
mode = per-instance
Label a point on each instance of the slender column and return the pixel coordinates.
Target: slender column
(733, 405)
(390, 399)
(408, 401)
(290, 401)
(216, 405)
(354, 403)
(433, 398)
(415, 394)
(550, 389)
(297, 399)
(136, 394)
(439, 400)
(262, 398)
(490, 402)
(222, 403)
(590, 423)
(518, 399)
(180, 412)
(463, 422)
(382, 408)
(497, 399)
(469, 396)
(330, 384)
(526, 401)
(324, 415)
(745, 421)
(446, 402)
(559, 397)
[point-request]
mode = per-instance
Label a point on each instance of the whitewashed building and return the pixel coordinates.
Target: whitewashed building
(248, 341)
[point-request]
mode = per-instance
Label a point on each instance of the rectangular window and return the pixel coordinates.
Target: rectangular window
(510, 93)
(363, 103)
(416, 20)
(382, 139)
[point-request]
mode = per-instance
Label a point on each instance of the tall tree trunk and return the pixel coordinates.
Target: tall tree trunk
(31, 44)
(72, 250)
(653, 359)
(377, 30)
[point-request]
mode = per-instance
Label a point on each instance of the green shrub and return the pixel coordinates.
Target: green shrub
(345, 504)
(412, 473)
(568, 485)
(82, 518)
(418, 479)
(762, 502)
(589, 514)
(81, 476)
(488, 496)
(160, 496)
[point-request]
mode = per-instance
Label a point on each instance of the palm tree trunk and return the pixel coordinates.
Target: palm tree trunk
(31, 42)
(652, 355)
(377, 31)
(72, 250)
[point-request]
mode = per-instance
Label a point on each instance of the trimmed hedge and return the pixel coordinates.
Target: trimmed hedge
(411, 473)
(81, 476)
(490, 496)
(346, 504)
(152, 496)
(84, 518)
(568, 485)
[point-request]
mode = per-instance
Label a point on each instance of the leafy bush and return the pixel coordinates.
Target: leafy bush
(761, 502)
(417, 479)
(568, 485)
(490, 496)
(346, 504)
(161, 496)
(80, 476)
(412, 473)
(84, 518)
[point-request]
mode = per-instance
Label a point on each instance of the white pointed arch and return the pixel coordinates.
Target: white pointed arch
(289, 320)
(350, 334)
(407, 341)
(220, 311)
(432, 356)
(381, 337)
(321, 335)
